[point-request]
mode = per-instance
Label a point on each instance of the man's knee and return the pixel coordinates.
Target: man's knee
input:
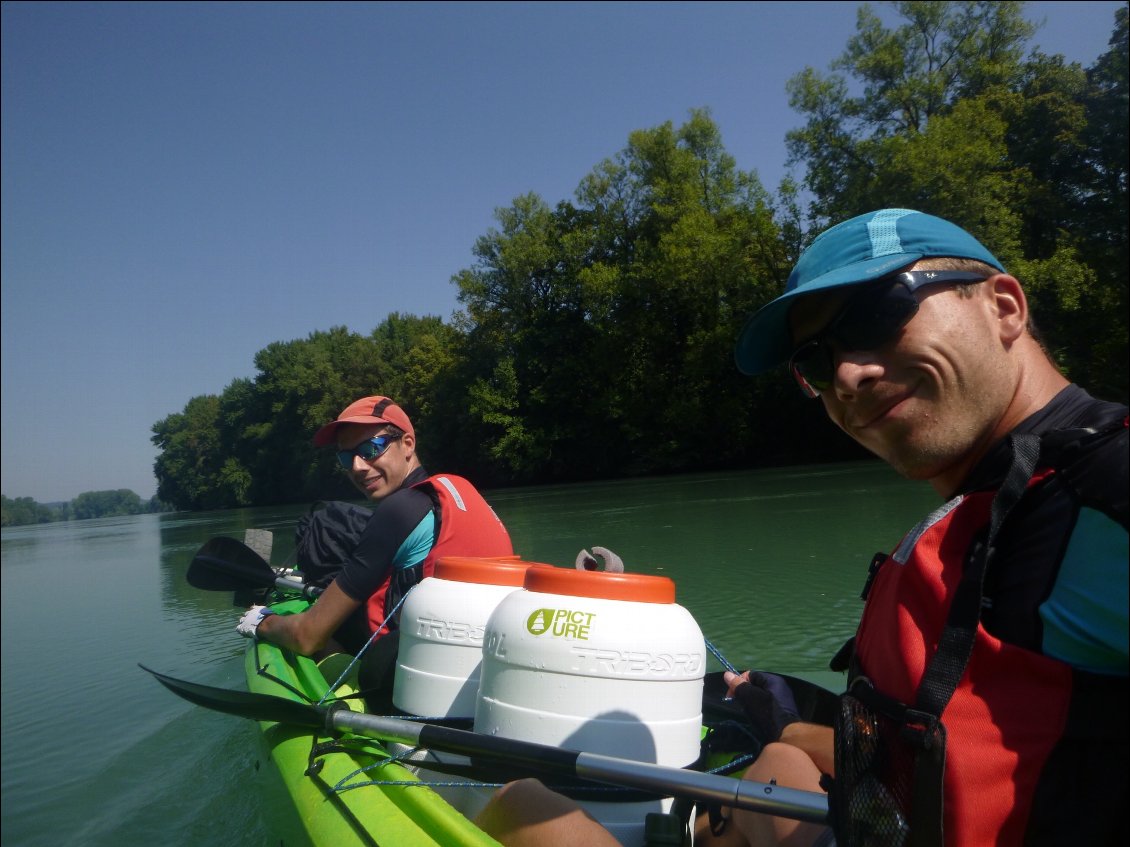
(509, 807)
(787, 765)
(525, 812)
(527, 790)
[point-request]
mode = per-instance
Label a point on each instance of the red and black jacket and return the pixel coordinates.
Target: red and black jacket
(466, 525)
(1035, 749)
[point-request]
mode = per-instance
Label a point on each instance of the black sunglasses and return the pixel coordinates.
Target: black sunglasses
(367, 450)
(866, 322)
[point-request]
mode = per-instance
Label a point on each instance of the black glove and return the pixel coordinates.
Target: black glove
(769, 703)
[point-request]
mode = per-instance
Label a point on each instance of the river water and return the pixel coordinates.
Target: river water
(95, 752)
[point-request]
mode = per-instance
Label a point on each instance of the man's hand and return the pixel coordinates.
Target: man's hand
(248, 625)
(766, 700)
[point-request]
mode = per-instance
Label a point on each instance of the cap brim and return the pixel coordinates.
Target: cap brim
(766, 340)
(327, 435)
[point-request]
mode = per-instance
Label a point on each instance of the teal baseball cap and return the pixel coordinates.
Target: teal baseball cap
(862, 249)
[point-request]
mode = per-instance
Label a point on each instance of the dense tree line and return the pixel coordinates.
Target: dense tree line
(595, 336)
(90, 504)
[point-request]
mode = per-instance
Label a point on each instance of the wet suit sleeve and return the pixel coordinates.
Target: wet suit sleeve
(1083, 621)
(1085, 617)
(398, 536)
(1059, 584)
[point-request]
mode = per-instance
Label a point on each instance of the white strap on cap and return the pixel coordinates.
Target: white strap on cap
(884, 233)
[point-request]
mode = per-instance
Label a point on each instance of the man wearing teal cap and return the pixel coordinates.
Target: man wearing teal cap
(991, 660)
(987, 684)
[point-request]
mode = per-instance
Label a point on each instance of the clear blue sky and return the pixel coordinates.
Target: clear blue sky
(184, 183)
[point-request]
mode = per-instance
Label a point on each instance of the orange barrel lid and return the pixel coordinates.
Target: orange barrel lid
(635, 587)
(478, 559)
(493, 570)
(514, 558)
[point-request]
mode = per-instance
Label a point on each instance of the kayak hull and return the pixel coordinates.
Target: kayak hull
(341, 792)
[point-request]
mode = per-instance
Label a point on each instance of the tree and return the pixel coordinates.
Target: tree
(599, 334)
(951, 118)
(519, 312)
(188, 466)
(21, 511)
(89, 504)
(106, 504)
(420, 353)
(1103, 212)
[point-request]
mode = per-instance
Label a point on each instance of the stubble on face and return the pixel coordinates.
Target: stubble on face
(926, 402)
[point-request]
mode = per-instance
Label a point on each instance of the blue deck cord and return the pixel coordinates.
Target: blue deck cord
(402, 760)
(718, 655)
(361, 652)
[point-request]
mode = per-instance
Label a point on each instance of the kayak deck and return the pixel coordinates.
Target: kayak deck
(342, 792)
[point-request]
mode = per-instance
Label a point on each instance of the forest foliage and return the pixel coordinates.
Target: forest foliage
(595, 336)
(19, 511)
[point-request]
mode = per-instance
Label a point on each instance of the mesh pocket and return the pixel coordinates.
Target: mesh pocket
(870, 796)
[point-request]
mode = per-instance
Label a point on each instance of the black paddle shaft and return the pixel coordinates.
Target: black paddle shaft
(659, 779)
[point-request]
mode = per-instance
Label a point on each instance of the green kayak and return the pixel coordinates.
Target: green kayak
(328, 780)
(330, 777)
(349, 789)
(340, 792)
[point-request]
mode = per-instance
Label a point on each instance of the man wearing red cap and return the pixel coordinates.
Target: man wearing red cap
(419, 519)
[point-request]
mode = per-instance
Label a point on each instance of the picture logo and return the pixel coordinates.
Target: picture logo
(560, 623)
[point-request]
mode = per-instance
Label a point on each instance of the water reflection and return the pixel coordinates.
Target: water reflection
(770, 563)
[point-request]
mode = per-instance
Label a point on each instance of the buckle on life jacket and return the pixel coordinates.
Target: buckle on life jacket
(919, 728)
(876, 562)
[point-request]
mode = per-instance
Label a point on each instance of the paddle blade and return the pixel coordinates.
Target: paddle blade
(244, 704)
(224, 564)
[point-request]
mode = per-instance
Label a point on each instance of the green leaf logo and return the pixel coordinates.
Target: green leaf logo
(539, 621)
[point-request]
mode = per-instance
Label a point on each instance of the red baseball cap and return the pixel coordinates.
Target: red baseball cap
(368, 411)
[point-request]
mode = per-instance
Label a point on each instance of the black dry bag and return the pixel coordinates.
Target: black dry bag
(326, 537)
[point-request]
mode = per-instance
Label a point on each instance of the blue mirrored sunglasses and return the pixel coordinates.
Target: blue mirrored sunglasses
(367, 450)
(867, 321)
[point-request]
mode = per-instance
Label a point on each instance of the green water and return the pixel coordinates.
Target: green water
(770, 563)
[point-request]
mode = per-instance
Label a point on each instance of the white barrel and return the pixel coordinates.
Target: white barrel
(441, 634)
(600, 662)
(442, 625)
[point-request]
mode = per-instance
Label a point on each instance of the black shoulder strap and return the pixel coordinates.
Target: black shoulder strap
(922, 724)
(947, 665)
(1060, 446)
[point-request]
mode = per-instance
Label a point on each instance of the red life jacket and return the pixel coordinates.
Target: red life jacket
(1010, 707)
(468, 526)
